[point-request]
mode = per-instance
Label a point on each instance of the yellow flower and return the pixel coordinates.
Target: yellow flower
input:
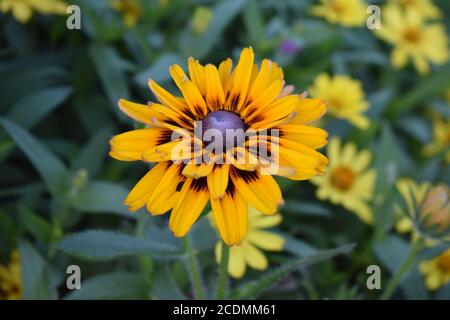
(425, 8)
(23, 9)
(201, 19)
(349, 182)
(413, 39)
(436, 271)
(248, 252)
(247, 99)
(344, 98)
(348, 13)
(10, 279)
(130, 9)
(441, 138)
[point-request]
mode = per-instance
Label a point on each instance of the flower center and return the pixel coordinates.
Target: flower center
(444, 262)
(412, 35)
(225, 124)
(334, 103)
(342, 178)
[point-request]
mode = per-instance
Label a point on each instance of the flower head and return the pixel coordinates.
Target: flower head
(248, 252)
(198, 161)
(348, 13)
(349, 182)
(426, 211)
(23, 9)
(441, 138)
(425, 8)
(344, 97)
(436, 271)
(413, 39)
(10, 279)
(130, 9)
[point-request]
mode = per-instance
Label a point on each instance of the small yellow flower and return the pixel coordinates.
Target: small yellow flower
(436, 271)
(349, 182)
(248, 252)
(10, 279)
(130, 9)
(348, 13)
(201, 19)
(441, 138)
(23, 9)
(425, 8)
(344, 98)
(413, 39)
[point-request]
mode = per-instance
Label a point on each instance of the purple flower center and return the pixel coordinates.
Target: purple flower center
(226, 124)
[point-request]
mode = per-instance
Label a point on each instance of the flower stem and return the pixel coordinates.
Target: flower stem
(222, 282)
(395, 281)
(194, 272)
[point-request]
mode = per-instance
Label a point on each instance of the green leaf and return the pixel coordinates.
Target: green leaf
(434, 84)
(307, 208)
(36, 225)
(51, 169)
(109, 67)
(297, 247)
(35, 271)
(33, 108)
(223, 14)
(270, 278)
(254, 23)
(92, 155)
(392, 252)
(114, 285)
(103, 245)
(102, 197)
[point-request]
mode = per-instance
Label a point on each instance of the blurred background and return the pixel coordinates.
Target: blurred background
(58, 103)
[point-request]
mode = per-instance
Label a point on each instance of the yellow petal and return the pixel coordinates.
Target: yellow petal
(254, 257)
(266, 240)
(218, 181)
(142, 191)
(193, 198)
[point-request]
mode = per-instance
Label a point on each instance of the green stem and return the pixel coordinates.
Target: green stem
(395, 281)
(194, 270)
(222, 282)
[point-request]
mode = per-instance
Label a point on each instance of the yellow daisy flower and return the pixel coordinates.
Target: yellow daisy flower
(436, 271)
(10, 279)
(348, 13)
(22, 10)
(130, 9)
(413, 39)
(425, 8)
(249, 100)
(344, 98)
(248, 252)
(441, 138)
(350, 182)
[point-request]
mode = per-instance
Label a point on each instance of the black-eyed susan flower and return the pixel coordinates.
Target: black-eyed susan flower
(22, 10)
(276, 140)
(348, 13)
(350, 181)
(249, 251)
(344, 97)
(425, 8)
(441, 138)
(130, 9)
(10, 279)
(436, 271)
(413, 38)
